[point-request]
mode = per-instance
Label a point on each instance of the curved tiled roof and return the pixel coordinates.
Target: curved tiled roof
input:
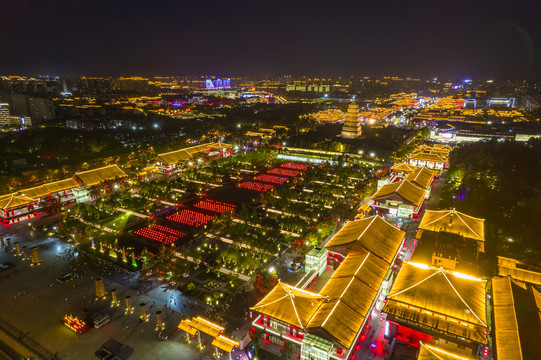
(96, 176)
(454, 222)
(290, 304)
(451, 302)
(405, 191)
(372, 234)
(422, 177)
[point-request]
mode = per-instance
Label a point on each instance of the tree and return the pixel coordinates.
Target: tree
(52, 206)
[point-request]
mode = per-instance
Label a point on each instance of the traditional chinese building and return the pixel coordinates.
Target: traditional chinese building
(99, 175)
(168, 163)
(401, 199)
(402, 170)
(439, 307)
(328, 324)
(435, 157)
(352, 125)
(423, 177)
(26, 203)
(517, 319)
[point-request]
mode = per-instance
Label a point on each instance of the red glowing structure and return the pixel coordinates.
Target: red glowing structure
(157, 236)
(168, 230)
(271, 179)
(251, 185)
(215, 206)
(295, 166)
(191, 218)
(284, 172)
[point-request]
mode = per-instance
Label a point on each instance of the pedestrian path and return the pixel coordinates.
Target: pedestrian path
(142, 216)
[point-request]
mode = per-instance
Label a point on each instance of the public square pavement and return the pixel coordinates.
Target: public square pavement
(35, 303)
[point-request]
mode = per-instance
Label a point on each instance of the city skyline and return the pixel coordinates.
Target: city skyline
(462, 40)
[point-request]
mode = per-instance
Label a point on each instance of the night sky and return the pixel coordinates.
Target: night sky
(477, 39)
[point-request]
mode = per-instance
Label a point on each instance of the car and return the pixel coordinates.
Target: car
(64, 278)
(6, 266)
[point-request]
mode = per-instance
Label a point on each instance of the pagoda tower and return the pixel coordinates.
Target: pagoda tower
(352, 125)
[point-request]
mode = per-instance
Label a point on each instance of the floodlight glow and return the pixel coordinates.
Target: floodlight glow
(419, 265)
(466, 277)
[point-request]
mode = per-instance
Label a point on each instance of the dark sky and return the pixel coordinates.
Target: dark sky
(478, 39)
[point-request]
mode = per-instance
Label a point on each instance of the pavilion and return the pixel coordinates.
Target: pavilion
(401, 199)
(436, 305)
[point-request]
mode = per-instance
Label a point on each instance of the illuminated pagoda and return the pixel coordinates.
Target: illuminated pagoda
(517, 319)
(328, 324)
(439, 307)
(402, 199)
(352, 125)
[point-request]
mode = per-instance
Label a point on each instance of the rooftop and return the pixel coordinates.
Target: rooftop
(96, 176)
(429, 352)
(290, 304)
(454, 222)
(404, 191)
(443, 300)
(422, 177)
(403, 167)
(366, 236)
(350, 293)
(517, 319)
(173, 157)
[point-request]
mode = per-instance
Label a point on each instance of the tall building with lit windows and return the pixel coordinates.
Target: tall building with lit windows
(352, 125)
(5, 118)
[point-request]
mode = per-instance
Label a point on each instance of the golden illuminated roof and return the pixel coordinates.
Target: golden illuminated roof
(224, 343)
(454, 222)
(206, 326)
(372, 234)
(96, 176)
(49, 188)
(14, 200)
(441, 299)
(422, 156)
(173, 157)
(403, 167)
(404, 191)
(350, 292)
(422, 177)
(290, 304)
(428, 352)
(519, 270)
(517, 319)
(505, 320)
(186, 325)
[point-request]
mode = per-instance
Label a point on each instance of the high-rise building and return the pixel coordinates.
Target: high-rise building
(41, 109)
(5, 118)
(352, 125)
